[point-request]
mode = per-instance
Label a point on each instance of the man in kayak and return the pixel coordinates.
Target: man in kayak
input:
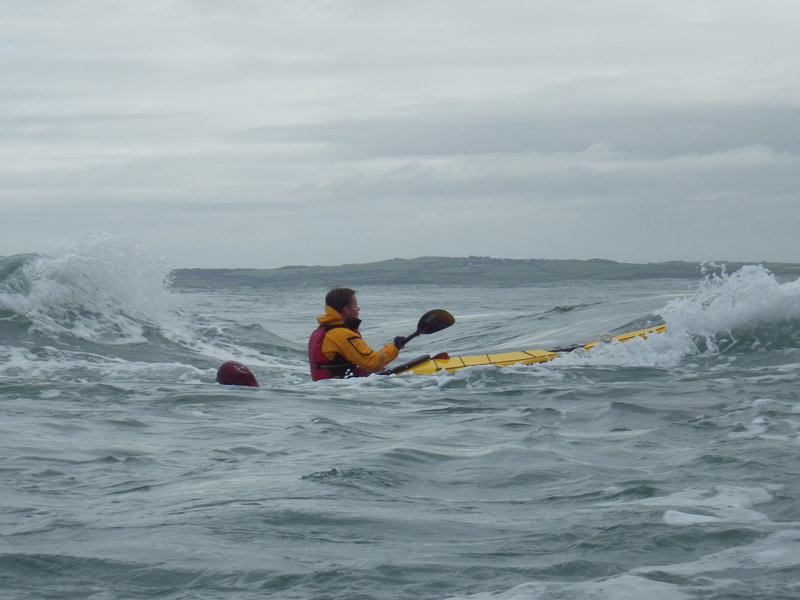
(336, 348)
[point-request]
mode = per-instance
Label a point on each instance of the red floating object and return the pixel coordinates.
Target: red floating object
(235, 373)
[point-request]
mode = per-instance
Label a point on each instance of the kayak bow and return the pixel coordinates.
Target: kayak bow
(427, 365)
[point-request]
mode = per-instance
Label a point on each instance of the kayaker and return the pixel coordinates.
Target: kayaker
(336, 348)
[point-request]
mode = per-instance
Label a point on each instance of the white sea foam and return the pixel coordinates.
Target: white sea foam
(724, 303)
(724, 309)
(676, 517)
(622, 587)
(720, 504)
(780, 550)
(107, 290)
(103, 289)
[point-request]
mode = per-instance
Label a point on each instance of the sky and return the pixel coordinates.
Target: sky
(265, 133)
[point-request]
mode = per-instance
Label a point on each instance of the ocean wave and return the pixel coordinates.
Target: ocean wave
(103, 290)
(103, 309)
(747, 304)
(728, 314)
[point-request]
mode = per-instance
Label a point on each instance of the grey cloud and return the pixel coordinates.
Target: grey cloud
(655, 132)
(510, 128)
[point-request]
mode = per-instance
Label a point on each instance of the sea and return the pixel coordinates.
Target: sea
(664, 468)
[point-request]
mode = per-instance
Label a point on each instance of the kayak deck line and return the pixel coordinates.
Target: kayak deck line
(424, 365)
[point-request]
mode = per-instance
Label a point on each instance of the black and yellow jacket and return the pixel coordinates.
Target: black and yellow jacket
(336, 349)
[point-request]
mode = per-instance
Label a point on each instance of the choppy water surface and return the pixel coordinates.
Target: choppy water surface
(661, 468)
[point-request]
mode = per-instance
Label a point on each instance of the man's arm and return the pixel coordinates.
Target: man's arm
(355, 350)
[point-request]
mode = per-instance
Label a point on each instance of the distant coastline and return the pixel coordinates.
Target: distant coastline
(472, 270)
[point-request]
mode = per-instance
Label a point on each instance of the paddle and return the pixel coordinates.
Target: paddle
(433, 321)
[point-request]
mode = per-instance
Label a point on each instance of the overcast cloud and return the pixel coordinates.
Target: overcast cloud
(274, 132)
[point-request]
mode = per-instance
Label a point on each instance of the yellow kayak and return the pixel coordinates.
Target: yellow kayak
(426, 364)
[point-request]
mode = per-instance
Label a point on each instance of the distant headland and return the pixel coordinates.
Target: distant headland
(471, 270)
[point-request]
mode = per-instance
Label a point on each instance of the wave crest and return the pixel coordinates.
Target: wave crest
(104, 289)
(749, 306)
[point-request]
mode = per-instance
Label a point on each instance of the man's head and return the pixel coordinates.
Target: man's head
(344, 301)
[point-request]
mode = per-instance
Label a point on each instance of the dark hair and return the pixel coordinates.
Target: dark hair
(338, 298)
